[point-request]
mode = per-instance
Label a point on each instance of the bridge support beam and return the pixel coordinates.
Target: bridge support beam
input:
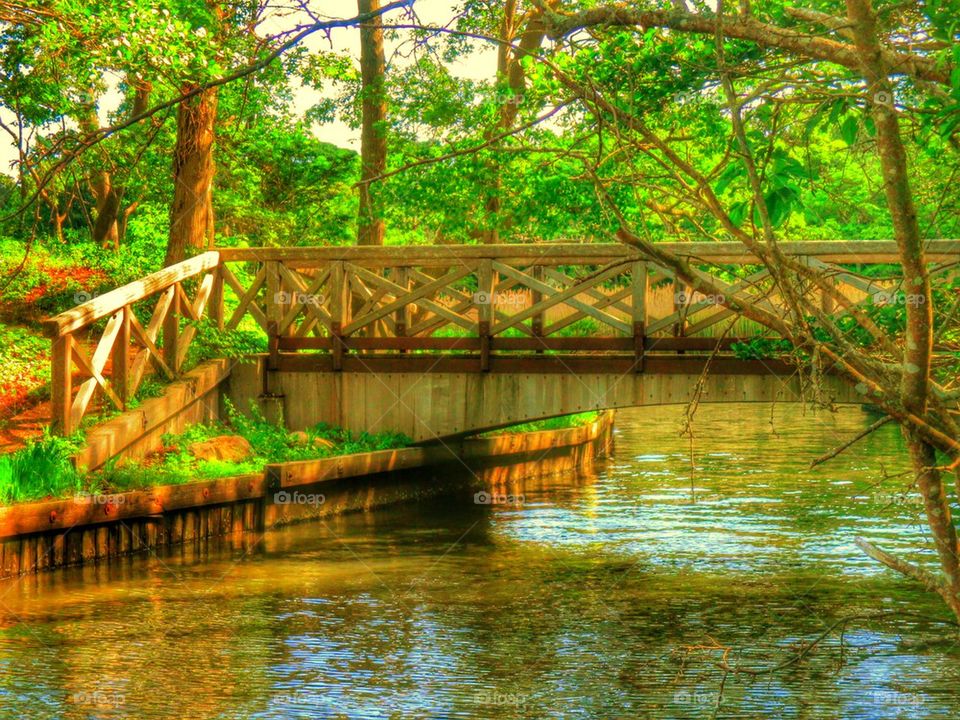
(431, 405)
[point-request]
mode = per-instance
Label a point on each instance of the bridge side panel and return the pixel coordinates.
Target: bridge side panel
(427, 406)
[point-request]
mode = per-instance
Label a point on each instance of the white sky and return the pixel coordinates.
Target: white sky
(479, 65)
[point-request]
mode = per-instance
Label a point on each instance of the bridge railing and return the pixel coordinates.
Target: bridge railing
(504, 300)
(105, 347)
(341, 308)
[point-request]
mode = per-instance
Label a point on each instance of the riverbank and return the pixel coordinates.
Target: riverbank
(101, 527)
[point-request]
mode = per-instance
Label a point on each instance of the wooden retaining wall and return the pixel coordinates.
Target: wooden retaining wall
(107, 528)
(135, 433)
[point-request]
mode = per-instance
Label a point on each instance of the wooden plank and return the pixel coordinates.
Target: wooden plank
(216, 298)
(659, 343)
(275, 305)
(196, 312)
(339, 309)
(250, 517)
(415, 297)
(110, 437)
(59, 556)
(463, 303)
(92, 367)
(119, 374)
(111, 302)
(639, 290)
(486, 313)
(369, 297)
(536, 321)
(729, 291)
(307, 472)
(382, 343)
(129, 508)
(11, 557)
(567, 364)
(594, 293)
(150, 349)
(102, 542)
(401, 320)
(184, 303)
(28, 555)
(246, 298)
(604, 301)
(560, 344)
(567, 296)
(171, 335)
(44, 551)
(61, 384)
(873, 251)
(310, 290)
(142, 358)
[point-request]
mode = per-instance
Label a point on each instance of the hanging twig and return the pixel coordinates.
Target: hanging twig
(859, 436)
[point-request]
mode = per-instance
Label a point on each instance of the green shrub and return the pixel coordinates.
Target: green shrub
(556, 423)
(212, 342)
(42, 469)
(760, 348)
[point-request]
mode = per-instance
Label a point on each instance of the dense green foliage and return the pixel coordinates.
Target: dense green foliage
(278, 184)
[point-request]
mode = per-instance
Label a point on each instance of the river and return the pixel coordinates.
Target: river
(619, 593)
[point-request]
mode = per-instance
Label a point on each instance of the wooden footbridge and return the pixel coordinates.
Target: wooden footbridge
(438, 341)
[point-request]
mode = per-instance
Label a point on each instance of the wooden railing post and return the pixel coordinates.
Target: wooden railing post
(276, 306)
(536, 322)
(641, 287)
(485, 310)
(216, 298)
(339, 309)
(61, 378)
(681, 301)
(401, 319)
(171, 333)
(120, 358)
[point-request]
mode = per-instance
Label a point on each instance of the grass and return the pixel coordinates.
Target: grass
(42, 469)
(270, 442)
(556, 423)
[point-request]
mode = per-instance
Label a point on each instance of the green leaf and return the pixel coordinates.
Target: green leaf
(850, 129)
(780, 203)
(729, 174)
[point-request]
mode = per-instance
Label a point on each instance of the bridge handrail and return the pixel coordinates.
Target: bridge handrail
(734, 253)
(110, 302)
(129, 364)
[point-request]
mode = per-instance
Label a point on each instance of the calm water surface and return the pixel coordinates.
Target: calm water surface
(610, 595)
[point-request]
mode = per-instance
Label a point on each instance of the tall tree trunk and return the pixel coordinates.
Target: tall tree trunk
(191, 220)
(373, 137)
(903, 214)
(106, 199)
(918, 348)
(492, 205)
(107, 195)
(937, 507)
(512, 81)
